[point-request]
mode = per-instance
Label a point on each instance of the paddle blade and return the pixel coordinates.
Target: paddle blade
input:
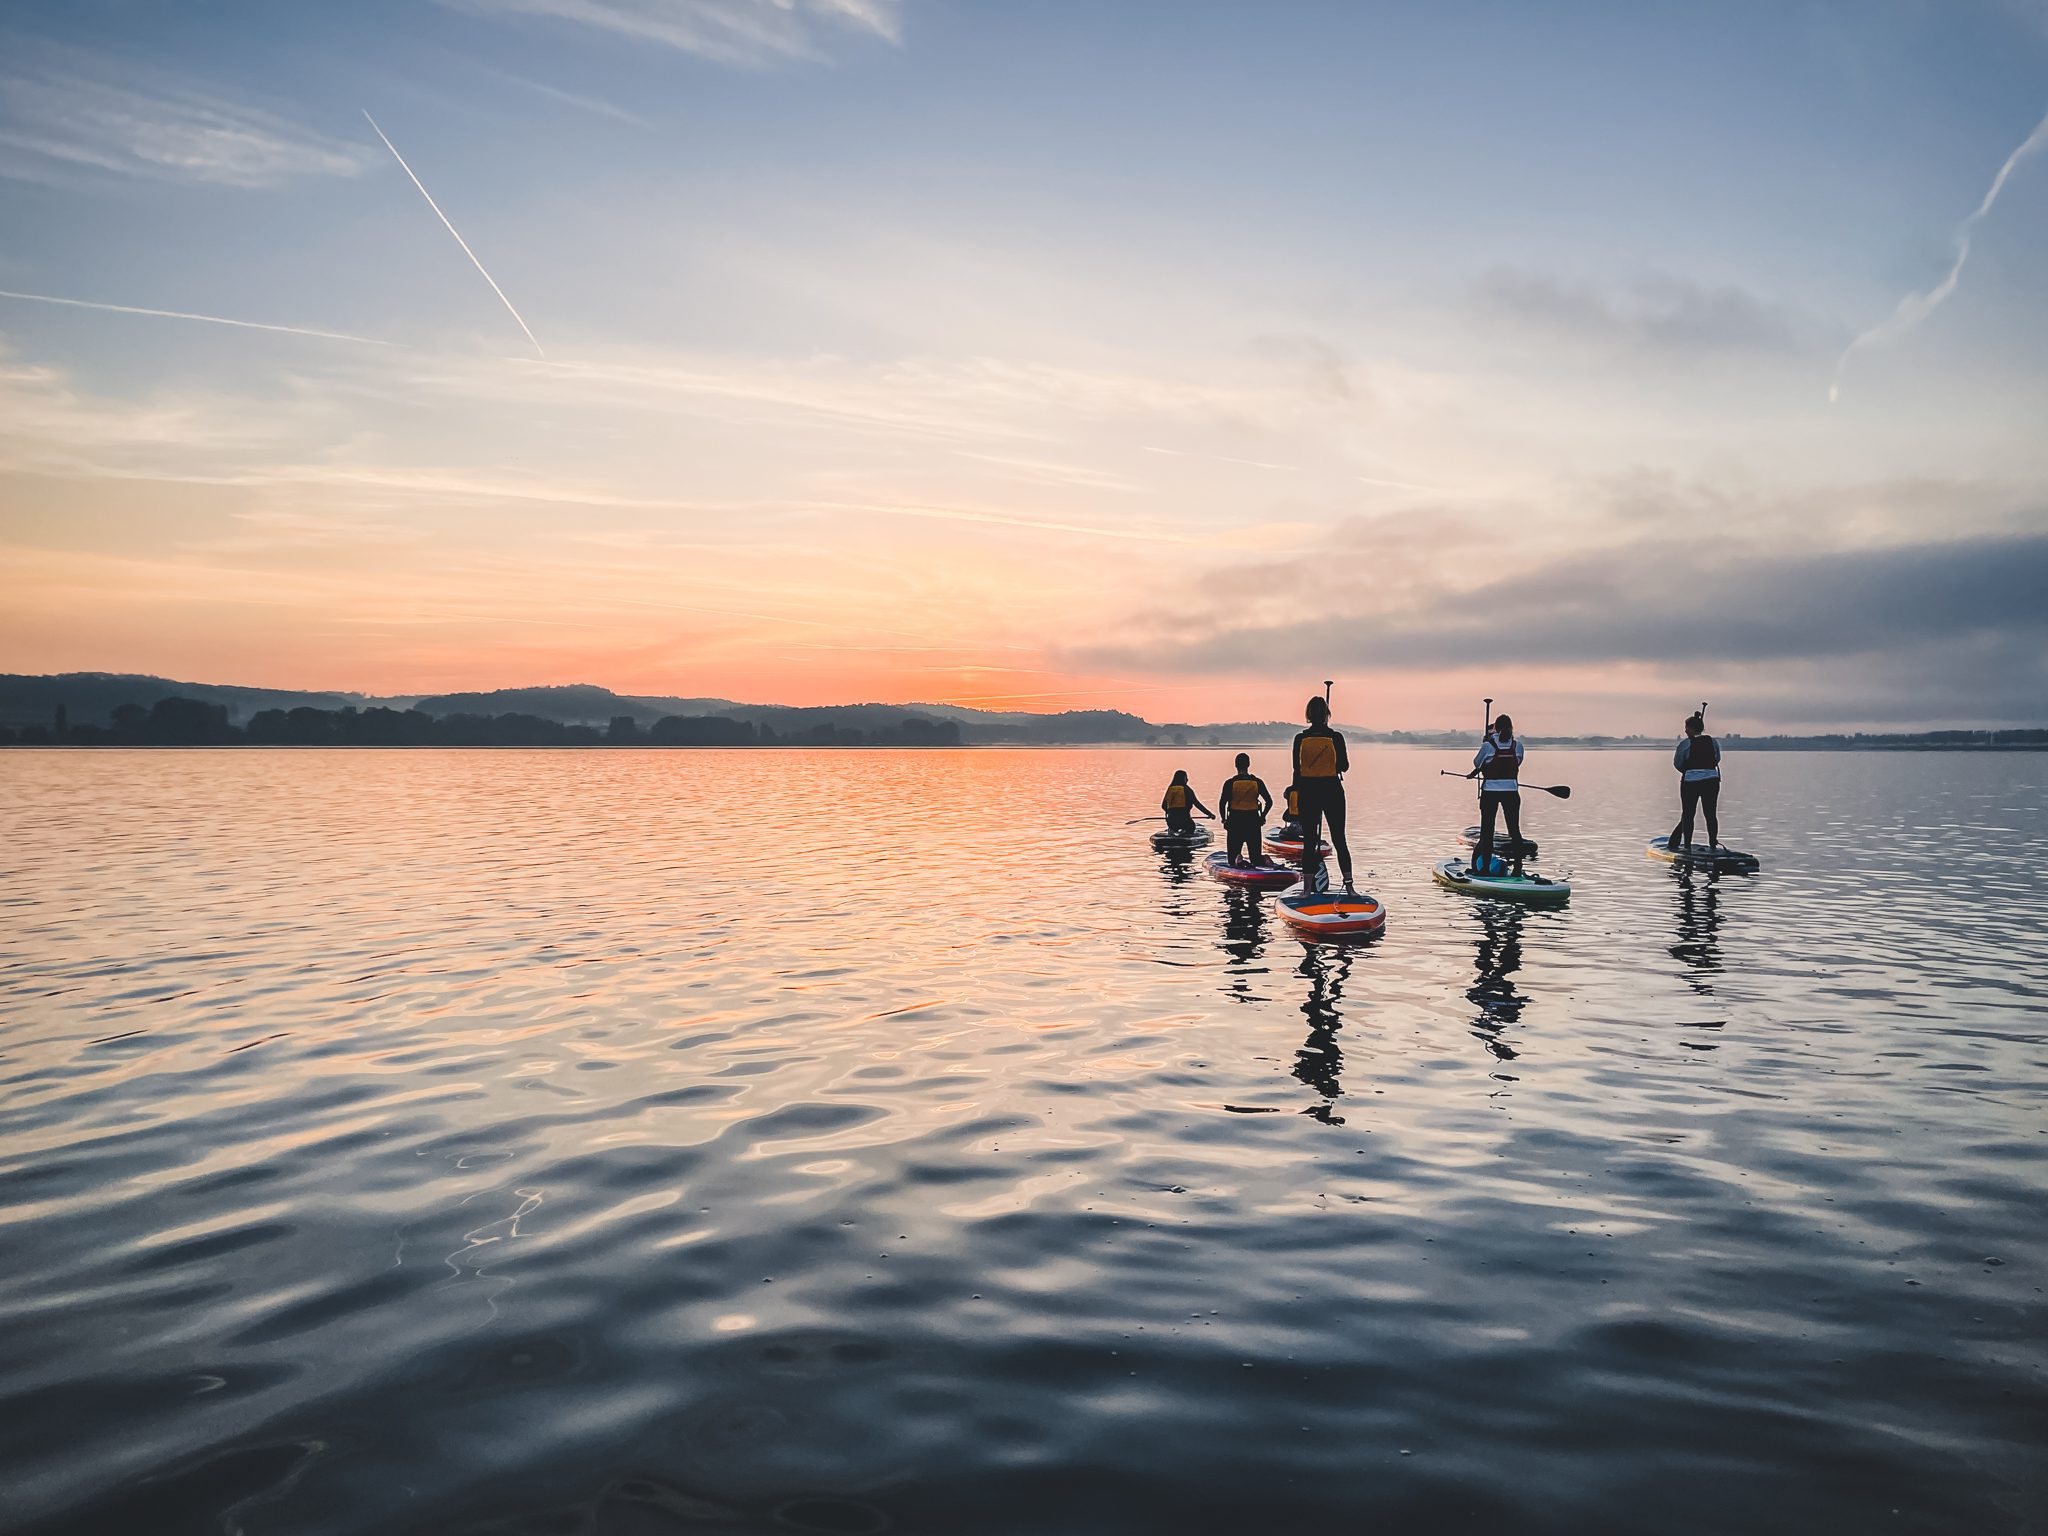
(1563, 791)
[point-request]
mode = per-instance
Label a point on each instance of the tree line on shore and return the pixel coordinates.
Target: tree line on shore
(181, 722)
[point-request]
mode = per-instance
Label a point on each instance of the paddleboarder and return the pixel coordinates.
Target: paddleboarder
(1246, 804)
(1180, 803)
(1290, 814)
(1320, 761)
(1497, 765)
(1698, 761)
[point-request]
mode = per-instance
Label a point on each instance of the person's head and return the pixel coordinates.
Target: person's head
(1180, 775)
(1695, 724)
(1244, 762)
(1504, 728)
(1318, 710)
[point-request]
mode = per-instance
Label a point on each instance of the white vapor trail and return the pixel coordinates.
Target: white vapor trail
(180, 314)
(457, 234)
(1915, 307)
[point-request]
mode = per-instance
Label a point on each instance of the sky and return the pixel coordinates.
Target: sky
(1167, 356)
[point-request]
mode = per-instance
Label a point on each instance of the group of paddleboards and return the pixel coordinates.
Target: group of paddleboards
(1495, 869)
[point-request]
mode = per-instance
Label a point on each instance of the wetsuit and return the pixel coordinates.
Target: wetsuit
(1290, 815)
(1177, 802)
(1500, 790)
(1245, 801)
(1319, 760)
(1698, 761)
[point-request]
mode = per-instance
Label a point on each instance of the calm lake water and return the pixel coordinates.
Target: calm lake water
(577, 1142)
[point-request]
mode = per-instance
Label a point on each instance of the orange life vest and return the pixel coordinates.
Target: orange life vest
(1243, 793)
(1318, 757)
(1293, 802)
(1176, 797)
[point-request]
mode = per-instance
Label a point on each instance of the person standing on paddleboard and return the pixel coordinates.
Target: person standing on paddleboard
(1246, 804)
(1698, 761)
(1180, 804)
(1497, 765)
(1320, 762)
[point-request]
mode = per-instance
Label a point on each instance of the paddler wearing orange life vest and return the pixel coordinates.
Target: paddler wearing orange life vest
(1320, 761)
(1290, 813)
(1180, 804)
(1246, 804)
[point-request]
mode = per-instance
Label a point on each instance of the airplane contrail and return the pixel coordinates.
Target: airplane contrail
(1915, 307)
(457, 234)
(180, 314)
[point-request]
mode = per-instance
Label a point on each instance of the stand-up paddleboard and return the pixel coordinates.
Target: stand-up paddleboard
(1168, 841)
(1282, 846)
(1470, 838)
(1263, 877)
(1725, 861)
(1332, 914)
(1456, 875)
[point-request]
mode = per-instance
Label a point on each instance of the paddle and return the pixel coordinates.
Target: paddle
(1562, 791)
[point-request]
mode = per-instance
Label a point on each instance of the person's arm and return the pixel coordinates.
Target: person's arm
(1197, 800)
(1481, 758)
(1343, 754)
(1265, 795)
(1295, 760)
(1681, 753)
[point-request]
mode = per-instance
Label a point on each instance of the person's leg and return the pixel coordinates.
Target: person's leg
(1337, 838)
(1489, 806)
(1710, 802)
(1688, 806)
(1180, 821)
(1255, 840)
(1312, 876)
(1512, 805)
(1233, 828)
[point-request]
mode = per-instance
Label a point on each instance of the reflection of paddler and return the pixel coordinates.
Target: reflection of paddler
(1246, 802)
(1320, 761)
(1180, 802)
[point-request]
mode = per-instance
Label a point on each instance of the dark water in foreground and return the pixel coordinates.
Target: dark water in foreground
(620, 1142)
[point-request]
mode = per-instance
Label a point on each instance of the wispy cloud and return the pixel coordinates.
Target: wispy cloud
(521, 319)
(1916, 307)
(1657, 315)
(744, 32)
(596, 106)
(63, 111)
(181, 314)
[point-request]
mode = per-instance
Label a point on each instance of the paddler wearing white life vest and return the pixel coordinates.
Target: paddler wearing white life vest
(1320, 760)
(1246, 804)
(1698, 761)
(1180, 803)
(1497, 765)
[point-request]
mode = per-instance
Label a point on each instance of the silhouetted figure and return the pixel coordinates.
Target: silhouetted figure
(1180, 802)
(1320, 761)
(1698, 761)
(1290, 813)
(1246, 802)
(1497, 765)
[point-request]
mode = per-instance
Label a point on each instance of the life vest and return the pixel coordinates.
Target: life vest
(1702, 758)
(1242, 793)
(1318, 756)
(1176, 797)
(1293, 803)
(1502, 771)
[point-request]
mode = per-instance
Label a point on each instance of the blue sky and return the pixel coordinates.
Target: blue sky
(1049, 353)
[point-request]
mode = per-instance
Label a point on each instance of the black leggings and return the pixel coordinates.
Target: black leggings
(1491, 803)
(1182, 821)
(1322, 800)
(1703, 794)
(1244, 829)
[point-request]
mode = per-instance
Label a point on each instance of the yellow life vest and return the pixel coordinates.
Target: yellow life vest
(1243, 793)
(1318, 757)
(1176, 797)
(1293, 803)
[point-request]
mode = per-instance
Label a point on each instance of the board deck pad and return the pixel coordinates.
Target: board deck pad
(1457, 875)
(1332, 914)
(1167, 842)
(1700, 856)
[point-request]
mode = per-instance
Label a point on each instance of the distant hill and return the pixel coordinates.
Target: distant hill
(90, 698)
